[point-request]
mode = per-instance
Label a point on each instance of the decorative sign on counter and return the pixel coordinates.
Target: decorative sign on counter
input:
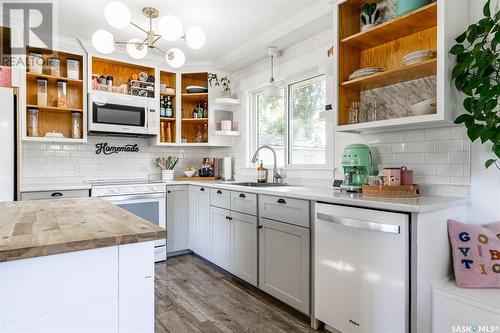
(104, 148)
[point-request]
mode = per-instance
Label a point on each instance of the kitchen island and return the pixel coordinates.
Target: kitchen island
(75, 265)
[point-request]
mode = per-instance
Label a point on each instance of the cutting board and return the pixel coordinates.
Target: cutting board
(198, 179)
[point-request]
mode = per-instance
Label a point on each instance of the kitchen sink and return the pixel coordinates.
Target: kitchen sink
(252, 184)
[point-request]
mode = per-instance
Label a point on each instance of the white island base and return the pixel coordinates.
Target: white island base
(109, 289)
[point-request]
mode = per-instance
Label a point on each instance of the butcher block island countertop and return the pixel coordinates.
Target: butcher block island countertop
(37, 228)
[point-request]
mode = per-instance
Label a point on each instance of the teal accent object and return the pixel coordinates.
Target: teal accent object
(406, 6)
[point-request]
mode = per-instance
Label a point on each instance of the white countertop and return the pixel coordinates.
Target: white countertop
(422, 204)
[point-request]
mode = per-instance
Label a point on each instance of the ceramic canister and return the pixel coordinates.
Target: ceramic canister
(392, 176)
(406, 6)
(406, 176)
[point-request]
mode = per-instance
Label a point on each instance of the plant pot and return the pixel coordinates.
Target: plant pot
(406, 6)
(367, 26)
(167, 175)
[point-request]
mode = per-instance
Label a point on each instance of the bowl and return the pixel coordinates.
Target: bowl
(424, 107)
(190, 173)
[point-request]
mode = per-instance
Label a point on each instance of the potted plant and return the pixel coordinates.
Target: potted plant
(477, 75)
(369, 15)
(223, 83)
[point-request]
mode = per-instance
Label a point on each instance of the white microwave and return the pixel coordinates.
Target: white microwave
(115, 114)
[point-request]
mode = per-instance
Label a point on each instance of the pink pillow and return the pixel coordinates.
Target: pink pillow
(476, 254)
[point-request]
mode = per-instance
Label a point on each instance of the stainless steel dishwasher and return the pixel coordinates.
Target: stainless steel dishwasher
(362, 269)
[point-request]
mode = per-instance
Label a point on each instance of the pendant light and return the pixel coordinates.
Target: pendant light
(272, 91)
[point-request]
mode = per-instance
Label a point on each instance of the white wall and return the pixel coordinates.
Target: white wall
(485, 185)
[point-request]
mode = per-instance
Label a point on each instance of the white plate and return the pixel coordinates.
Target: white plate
(425, 107)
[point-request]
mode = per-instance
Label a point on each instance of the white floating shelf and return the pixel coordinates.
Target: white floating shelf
(227, 133)
(55, 140)
(394, 124)
(228, 101)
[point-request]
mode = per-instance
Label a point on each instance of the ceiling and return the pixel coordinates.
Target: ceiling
(228, 24)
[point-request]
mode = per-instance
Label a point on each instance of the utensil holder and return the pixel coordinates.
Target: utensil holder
(167, 175)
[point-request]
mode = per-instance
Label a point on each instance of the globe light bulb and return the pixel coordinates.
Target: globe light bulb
(103, 41)
(195, 38)
(136, 51)
(175, 57)
(170, 28)
(117, 14)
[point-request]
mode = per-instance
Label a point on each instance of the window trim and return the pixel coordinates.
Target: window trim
(253, 125)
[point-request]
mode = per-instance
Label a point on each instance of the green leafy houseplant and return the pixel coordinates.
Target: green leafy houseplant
(477, 75)
(222, 82)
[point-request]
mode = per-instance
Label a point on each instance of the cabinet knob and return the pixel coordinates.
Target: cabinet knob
(229, 218)
(169, 192)
(219, 192)
(56, 194)
(202, 189)
(259, 227)
(282, 201)
(242, 195)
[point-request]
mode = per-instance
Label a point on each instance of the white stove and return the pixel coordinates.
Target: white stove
(144, 198)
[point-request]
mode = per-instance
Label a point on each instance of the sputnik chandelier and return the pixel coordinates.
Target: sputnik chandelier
(170, 28)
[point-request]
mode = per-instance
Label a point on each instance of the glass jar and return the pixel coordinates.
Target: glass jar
(42, 92)
(32, 122)
(55, 66)
(354, 113)
(36, 62)
(61, 94)
(198, 138)
(76, 125)
(73, 68)
(372, 112)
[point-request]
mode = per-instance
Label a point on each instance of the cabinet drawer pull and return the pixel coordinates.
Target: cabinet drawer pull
(282, 201)
(219, 192)
(202, 189)
(56, 194)
(229, 218)
(242, 195)
(259, 227)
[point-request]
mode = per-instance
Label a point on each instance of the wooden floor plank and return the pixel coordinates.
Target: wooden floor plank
(194, 296)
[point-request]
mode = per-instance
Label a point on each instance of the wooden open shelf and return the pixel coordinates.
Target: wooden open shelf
(168, 119)
(383, 46)
(398, 75)
(53, 108)
(195, 120)
(53, 78)
(170, 79)
(51, 117)
(190, 126)
(418, 20)
(167, 94)
(120, 71)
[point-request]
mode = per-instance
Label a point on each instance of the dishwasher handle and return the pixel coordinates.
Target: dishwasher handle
(360, 224)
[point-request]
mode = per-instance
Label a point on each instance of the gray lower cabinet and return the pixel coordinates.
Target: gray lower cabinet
(177, 218)
(201, 222)
(220, 249)
(284, 271)
(244, 247)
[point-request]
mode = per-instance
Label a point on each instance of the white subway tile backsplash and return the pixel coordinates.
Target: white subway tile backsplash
(398, 147)
(449, 170)
(460, 180)
(413, 136)
(449, 145)
(420, 147)
(437, 134)
(458, 132)
(437, 158)
(412, 158)
(423, 169)
(460, 157)
(436, 180)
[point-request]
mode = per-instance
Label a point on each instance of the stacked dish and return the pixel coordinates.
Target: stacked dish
(418, 56)
(196, 90)
(365, 72)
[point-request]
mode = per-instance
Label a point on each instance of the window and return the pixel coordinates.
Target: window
(292, 125)
(271, 128)
(307, 131)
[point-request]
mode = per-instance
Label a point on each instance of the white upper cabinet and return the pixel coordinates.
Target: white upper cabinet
(399, 86)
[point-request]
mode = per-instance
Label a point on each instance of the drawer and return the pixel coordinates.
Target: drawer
(244, 202)
(220, 198)
(293, 211)
(54, 194)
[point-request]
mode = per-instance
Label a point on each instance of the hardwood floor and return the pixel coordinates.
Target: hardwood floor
(194, 296)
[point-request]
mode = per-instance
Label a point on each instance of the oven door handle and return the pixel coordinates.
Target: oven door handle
(134, 197)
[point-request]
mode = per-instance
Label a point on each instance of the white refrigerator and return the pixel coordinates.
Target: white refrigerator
(7, 145)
